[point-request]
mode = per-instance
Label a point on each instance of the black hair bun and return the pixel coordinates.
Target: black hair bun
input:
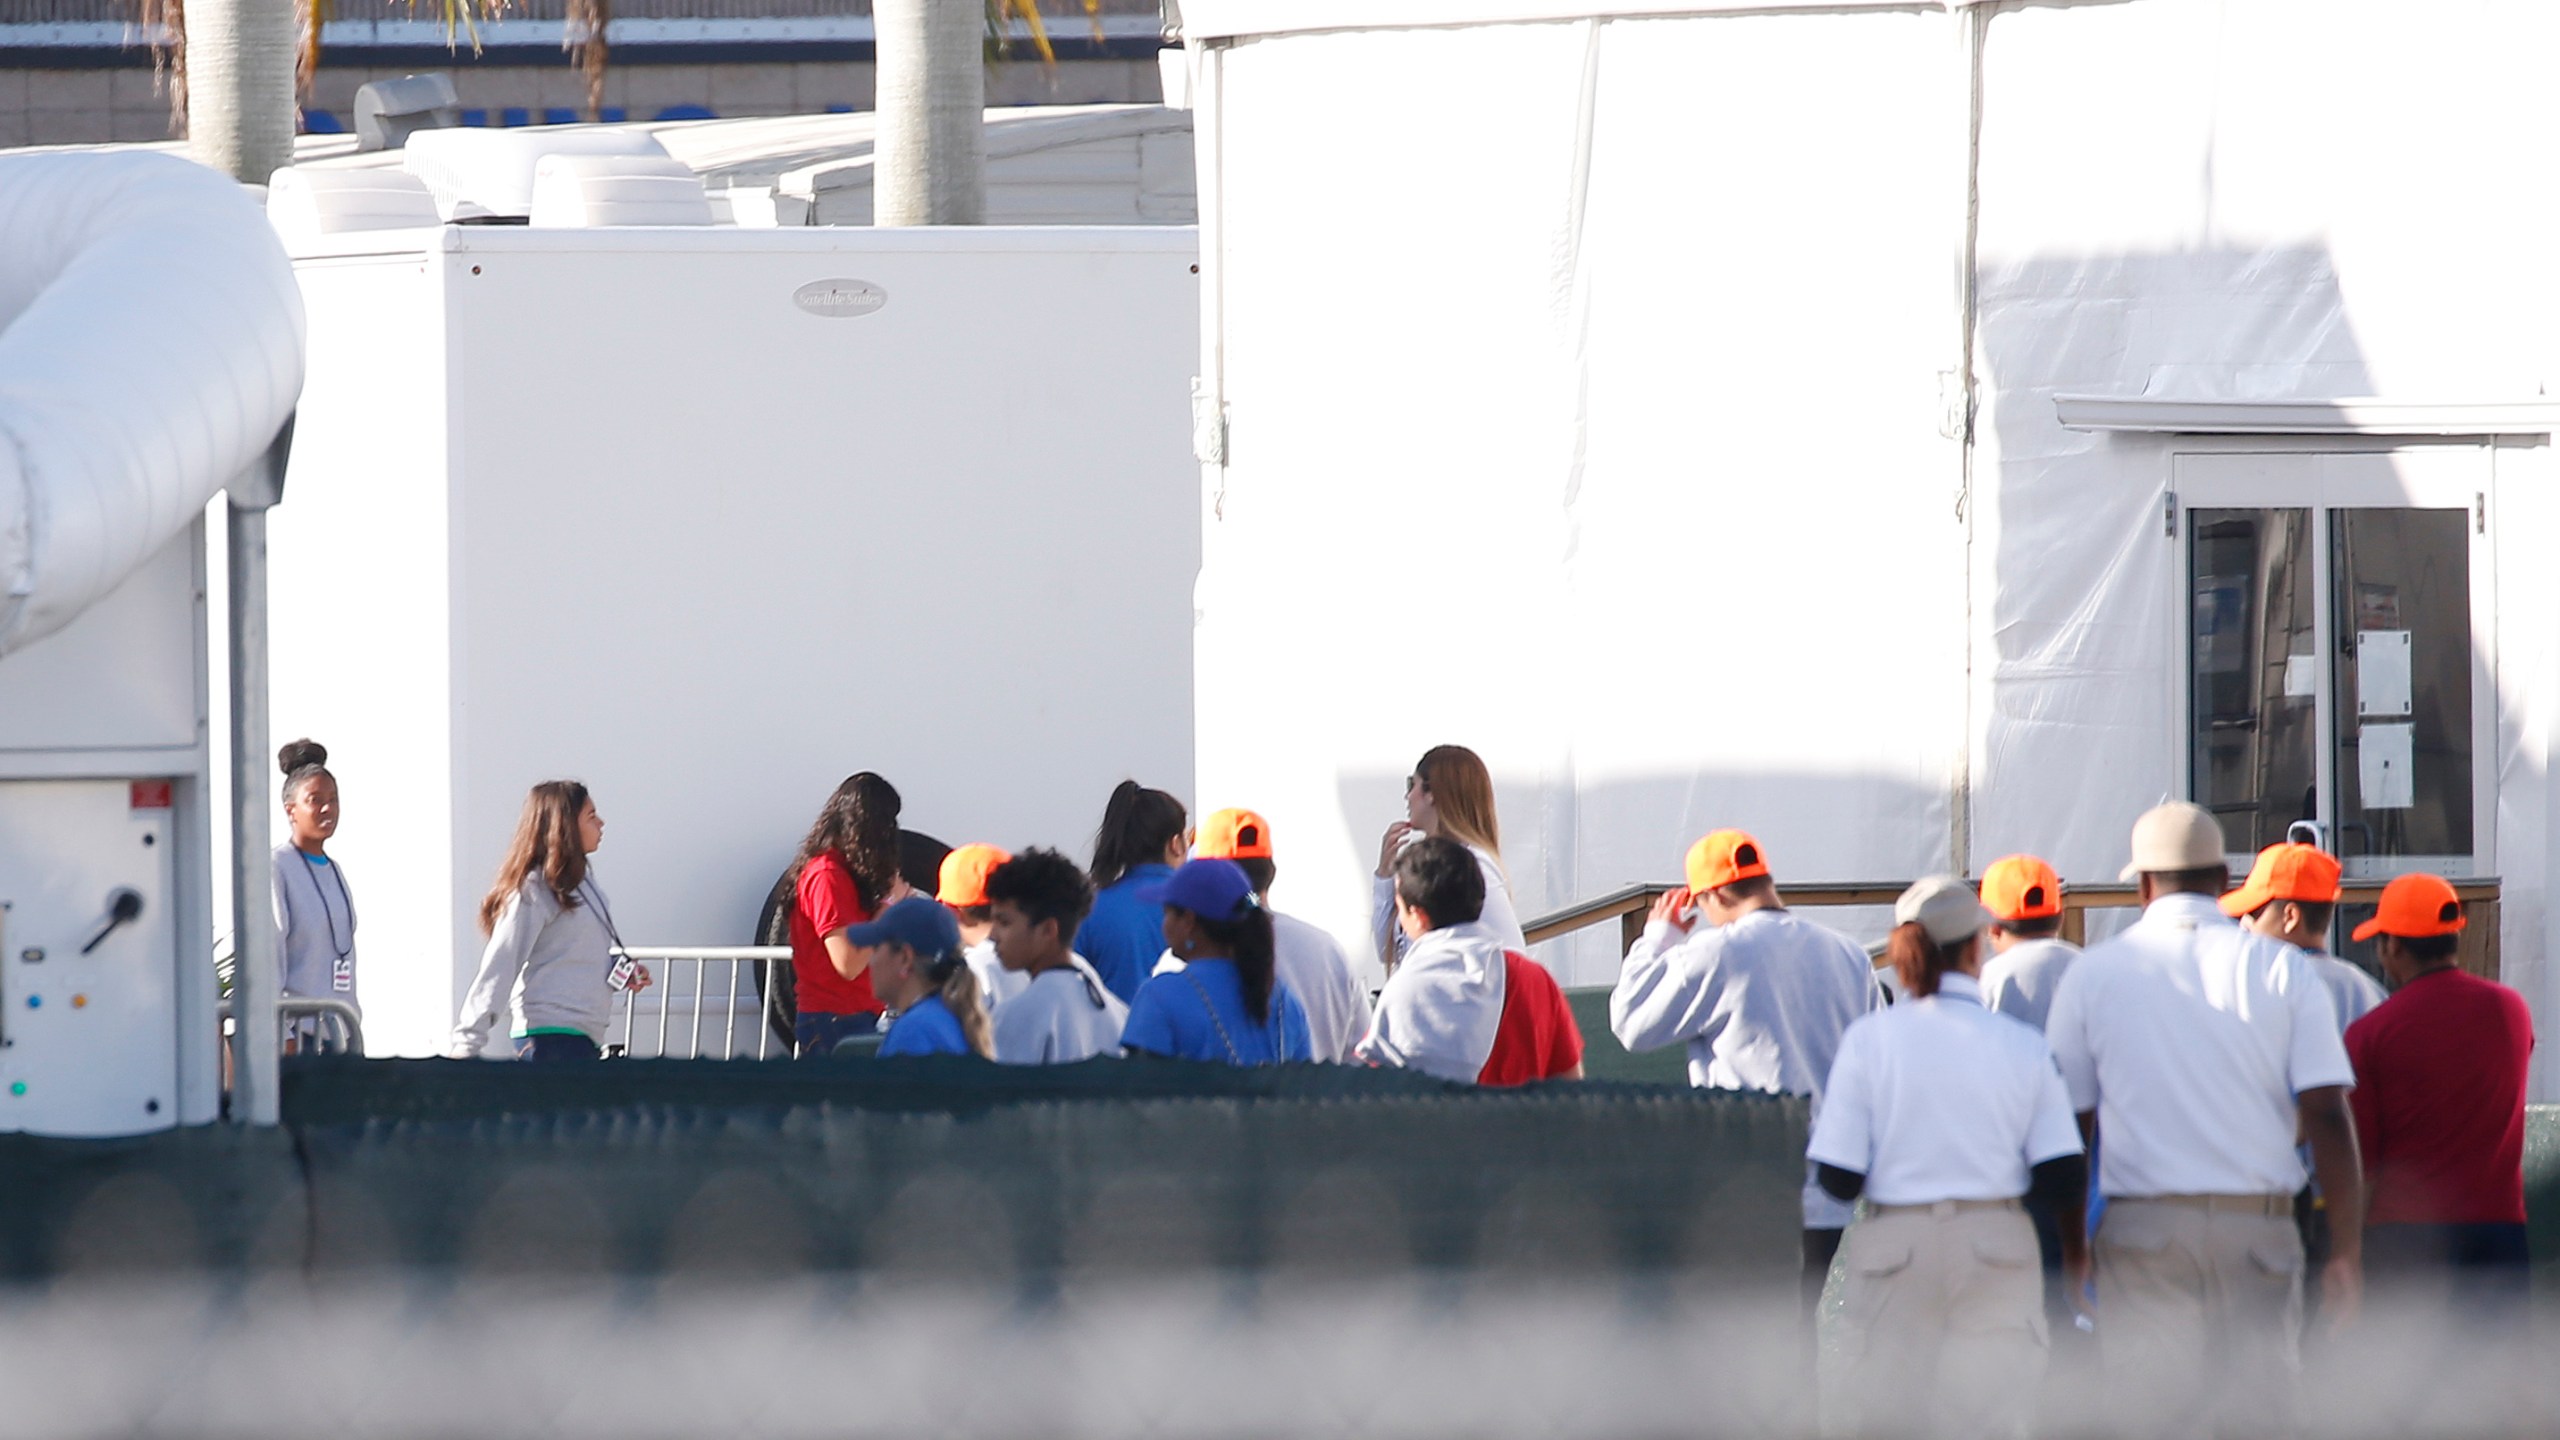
(301, 755)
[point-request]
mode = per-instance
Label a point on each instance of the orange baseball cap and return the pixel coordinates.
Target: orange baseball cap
(963, 882)
(1723, 858)
(2285, 872)
(1233, 835)
(2021, 887)
(2415, 906)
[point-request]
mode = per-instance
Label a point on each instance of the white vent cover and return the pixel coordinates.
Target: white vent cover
(306, 204)
(581, 191)
(477, 173)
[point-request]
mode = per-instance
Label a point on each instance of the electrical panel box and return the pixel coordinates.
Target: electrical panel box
(88, 1005)
(107, 993)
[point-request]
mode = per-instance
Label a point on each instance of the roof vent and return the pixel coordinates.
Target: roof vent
(580, 191)
(480, 174)
(389, 111)
(306, 204)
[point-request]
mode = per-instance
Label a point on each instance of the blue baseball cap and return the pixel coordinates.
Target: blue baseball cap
(919, 922)
(1212, 889)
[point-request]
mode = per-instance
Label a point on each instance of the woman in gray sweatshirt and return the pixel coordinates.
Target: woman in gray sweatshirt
(315, 912)
(550, 957)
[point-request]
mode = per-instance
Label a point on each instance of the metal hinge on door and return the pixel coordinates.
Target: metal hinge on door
(2479, 512)
(2169, 514)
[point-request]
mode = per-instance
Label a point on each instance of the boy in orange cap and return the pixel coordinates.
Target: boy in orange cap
(2028, 953)
(1307, 960)
(2439, 1107)
(2291, 893)
(1759, 995)
(963, 887)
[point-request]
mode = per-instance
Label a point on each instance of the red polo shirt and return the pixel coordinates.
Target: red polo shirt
(2439, 1101)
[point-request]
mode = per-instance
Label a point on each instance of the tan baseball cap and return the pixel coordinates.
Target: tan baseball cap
(1944, 906)
(2180, 835)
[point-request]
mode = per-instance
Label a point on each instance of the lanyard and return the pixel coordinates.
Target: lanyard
(347, 947)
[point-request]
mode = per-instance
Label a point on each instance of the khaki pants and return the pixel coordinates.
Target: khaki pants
(2200, 1314)
(1943, 1308)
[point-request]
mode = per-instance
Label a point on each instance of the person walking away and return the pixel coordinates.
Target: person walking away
(1310, 962)
(2196, 1049)
(1062, 1012)
(1760, 995)
(919, 973)
(2290, 895)
(1945, 1116)
(550, 961)
(2028, 953)
(2023, 896)
(961, 883)
(846, 874)
(2439, 1108)
(1448, 795)
(1226, 1006)
(1459, 1006)
(1143, 836)
(315, 911)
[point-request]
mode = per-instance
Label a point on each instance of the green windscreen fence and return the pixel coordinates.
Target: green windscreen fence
(952, 1166)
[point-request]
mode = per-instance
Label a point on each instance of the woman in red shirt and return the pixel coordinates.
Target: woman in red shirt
(847, 872)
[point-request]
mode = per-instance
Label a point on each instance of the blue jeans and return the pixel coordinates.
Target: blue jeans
(815, 1032)
(547, 1049)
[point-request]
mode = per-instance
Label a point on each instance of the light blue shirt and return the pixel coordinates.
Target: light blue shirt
(1197, 1013)
(925, 1028)
(1125, 933)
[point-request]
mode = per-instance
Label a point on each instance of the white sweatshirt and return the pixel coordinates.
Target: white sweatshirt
(546, 965)
(1443, 1006)
(1061, 1016)
(1312, 965)
(1498, 917)
(996, 984)
(315, 921)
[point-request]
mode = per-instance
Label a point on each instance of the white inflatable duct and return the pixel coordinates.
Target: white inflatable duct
(578, 191)
(150, 349)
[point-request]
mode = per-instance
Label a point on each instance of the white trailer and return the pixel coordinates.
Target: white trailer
(711, 518)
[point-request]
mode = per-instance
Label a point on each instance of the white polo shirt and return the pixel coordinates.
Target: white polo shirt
(1761, 1003)
(2190, 1037)
(2019, 981)
(1940, 1099)
(2352, 993)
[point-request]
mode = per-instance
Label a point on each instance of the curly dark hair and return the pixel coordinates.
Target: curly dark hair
(859, 825)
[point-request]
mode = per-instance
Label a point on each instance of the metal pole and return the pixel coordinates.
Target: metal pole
(930, 154)
(256, 984)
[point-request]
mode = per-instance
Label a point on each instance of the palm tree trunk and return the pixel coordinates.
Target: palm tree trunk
(930, 157)
(239, 85)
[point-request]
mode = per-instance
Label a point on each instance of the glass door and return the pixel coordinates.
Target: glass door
(2336, 653)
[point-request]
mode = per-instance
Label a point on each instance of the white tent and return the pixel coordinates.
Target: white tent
(1643, 348)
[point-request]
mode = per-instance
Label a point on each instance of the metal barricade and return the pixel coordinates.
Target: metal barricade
(702, 1002)
(308, 1025)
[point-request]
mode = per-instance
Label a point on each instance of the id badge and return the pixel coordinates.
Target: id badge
(618, 978)
(342, 974)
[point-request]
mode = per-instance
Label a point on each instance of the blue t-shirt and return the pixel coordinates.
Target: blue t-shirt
(1170, 1018)
(1124, 934)
(925, 1028)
